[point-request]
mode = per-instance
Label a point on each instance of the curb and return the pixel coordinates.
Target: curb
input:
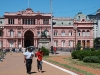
(70, 72)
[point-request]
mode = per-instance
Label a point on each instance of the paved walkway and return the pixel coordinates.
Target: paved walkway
(60, 53)
(14, 65)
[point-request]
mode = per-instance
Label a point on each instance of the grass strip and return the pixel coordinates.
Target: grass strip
(69, 67)
(77, 62)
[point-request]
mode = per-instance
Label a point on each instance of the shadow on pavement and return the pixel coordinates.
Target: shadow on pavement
(43, 71)
(33, 72)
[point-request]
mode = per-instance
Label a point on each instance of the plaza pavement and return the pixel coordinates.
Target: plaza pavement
(14, 65)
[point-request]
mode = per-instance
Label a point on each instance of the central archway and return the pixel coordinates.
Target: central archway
(28, 38)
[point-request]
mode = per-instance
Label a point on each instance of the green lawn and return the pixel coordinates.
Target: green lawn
(77, 62)
(72, 62)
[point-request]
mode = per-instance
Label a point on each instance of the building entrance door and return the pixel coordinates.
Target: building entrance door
(27, 43)
(28, 39)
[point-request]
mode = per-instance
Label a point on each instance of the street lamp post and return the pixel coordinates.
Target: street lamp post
(51, 28)
(75, 28)
(1, 28)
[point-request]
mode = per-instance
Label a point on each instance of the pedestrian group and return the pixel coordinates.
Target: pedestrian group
(28, 56)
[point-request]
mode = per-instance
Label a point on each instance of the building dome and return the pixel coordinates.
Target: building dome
(28, 9)
(81, 16)
(98, 11)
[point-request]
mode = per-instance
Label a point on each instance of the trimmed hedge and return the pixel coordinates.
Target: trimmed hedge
(93, 59)
(87, 55)
(45, 51)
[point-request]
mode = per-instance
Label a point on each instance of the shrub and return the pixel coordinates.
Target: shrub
(80, 54)
(83, 54)
(75, 53)
(92, 49)
(93, 59)
(87, 59)
(45, 51)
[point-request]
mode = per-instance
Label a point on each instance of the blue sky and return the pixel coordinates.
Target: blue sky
(61, 8)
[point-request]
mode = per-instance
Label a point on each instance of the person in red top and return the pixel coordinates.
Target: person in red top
(55, 50)
(39, 56)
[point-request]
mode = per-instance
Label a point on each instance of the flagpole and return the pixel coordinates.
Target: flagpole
(28, 3)
(51, 27)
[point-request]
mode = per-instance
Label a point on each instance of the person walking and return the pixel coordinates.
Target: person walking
(28, 60)
(39, 56)
(55, 50)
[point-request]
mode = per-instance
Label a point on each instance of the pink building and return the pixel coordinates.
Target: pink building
(23, 29)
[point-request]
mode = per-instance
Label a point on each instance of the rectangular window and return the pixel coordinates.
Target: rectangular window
(19, 33)
(56, 43)
(63, 43)
(63, 33)
(45, 21)
(38, 33)
(0, 22)
(0, 33)
(55, 33)
(23, 21)
(10, 21)
(11, 33)
(29, 21)
(69, 33)
(11, 43)
(19, 44)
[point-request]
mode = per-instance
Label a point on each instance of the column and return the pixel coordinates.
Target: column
(16, 43)
(42, 21)
(59, 43)
(67, 43)
(21, 43)
(35, 21)
(34, 40)
(49, 21)
(91, 43)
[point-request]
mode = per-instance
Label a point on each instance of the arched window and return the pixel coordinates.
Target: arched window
(88, 33)
(55, 43)
(63, 43)
(83, 32)
(70, 33)
(11, 43)
(83, 20)
(79, 33)
(63, 33)
(70, 43)
(11, 33)
(55, 32)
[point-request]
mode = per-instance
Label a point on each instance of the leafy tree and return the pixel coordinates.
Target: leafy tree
(78, 46)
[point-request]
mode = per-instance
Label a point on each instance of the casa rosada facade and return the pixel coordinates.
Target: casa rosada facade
(23, 28)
